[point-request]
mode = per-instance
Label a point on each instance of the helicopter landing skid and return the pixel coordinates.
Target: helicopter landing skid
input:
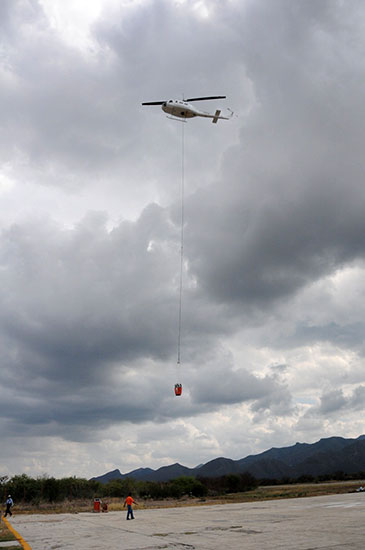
(177, 119)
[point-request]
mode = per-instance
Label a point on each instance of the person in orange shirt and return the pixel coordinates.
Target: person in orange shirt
(129, 501)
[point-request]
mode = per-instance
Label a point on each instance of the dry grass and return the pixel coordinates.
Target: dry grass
(258, 494)
(295, 491)
(5, 535)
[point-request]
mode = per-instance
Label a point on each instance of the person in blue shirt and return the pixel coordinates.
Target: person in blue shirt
(9, 504)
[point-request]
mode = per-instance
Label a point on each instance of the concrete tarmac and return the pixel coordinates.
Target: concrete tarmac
(329, 522)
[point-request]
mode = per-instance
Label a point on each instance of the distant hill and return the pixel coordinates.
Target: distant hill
(324, 457)
(115, 474)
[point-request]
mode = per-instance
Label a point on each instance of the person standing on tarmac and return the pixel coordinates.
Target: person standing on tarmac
(129, 501)
(9, 504)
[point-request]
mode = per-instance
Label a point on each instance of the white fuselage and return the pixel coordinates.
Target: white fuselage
(182, 109)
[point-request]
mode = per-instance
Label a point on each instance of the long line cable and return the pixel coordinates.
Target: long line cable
(182, 221)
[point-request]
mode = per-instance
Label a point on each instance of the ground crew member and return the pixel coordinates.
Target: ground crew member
(9, 504)
(129, 501)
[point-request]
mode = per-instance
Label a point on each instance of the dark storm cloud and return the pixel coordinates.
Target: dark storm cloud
(237, 386)
(288, 208)
(332, 401)
(81, 314)
(336, 402)
(81, 287)
(88, 316)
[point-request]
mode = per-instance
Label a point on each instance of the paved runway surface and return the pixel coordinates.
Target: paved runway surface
(332, 522)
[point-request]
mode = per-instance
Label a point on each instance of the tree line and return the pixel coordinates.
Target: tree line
(49, 489)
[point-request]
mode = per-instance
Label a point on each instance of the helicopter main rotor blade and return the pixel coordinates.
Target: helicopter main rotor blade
(204, 98)
(154, 103)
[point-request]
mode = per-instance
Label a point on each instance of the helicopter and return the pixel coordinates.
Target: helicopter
(181, 109)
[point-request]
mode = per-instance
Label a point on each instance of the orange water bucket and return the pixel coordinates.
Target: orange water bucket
(178, 389)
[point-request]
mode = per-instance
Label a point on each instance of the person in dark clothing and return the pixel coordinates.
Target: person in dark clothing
(9, 504)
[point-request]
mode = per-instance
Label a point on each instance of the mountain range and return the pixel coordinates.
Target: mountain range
(327, 456)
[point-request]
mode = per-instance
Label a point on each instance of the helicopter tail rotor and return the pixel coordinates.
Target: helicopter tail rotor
(216, 116)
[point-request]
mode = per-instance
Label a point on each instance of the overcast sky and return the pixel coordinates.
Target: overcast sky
(273, 317)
